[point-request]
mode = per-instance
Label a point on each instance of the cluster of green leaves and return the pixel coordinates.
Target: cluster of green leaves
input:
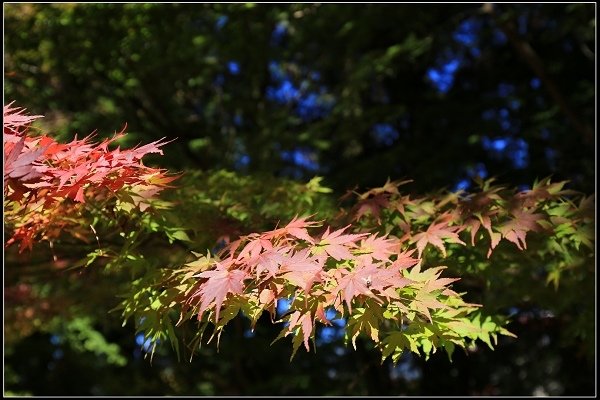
(131, 248)
(368, 276)
(477, 234)
(365, 278)
(235, 281)
(117, 225)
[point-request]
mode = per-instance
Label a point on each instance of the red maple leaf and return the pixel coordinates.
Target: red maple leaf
(20, 163)
(14, 119)
(39, 170)
(404, 260)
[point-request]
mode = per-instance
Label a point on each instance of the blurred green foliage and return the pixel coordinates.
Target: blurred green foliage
(163, 70)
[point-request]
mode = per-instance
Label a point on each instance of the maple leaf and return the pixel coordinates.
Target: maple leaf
(479, 202)
(157, 177)
(220, 282)
(372, 206)
(389, 187)
(21, 164)
(541, 191)
(401, 203)
(473, 224)
(152, 147)
(377, 248)
(13, 119)
(426, 298)
(266, 296)
(367, 320)
(253, 248)
(424, 301)
(386, 281)
(404, 260)
(270, 261)
(434, 235)
(336, 245)
(364, 279)
(438, 283)
(353, 283)
(305, 321)
(11, 152)
(296, 228)
(42, 167)
(200, 264)
(516, 229)
(302, 269)
(97, 166)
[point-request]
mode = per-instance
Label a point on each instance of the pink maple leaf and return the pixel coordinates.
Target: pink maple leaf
(356, 282)
(296, 228)
(516, 229)
(434, 235)
(405, 260)
(377, 248)
(372, 206)
(254, 247)
(220, 282)
(337, 245)
(302, 269)
(305, 320)
(378, 278)
(269, 261)
(14, 119)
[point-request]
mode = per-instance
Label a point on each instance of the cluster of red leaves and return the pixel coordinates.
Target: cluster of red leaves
(324, 270)
(343, 270)
(46, 181)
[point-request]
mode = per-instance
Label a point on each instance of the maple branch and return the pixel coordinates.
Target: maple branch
(528, 54)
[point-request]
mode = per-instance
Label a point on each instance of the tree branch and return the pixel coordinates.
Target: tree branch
(528, 54)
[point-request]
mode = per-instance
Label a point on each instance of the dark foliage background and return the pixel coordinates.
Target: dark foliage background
(356, 93)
